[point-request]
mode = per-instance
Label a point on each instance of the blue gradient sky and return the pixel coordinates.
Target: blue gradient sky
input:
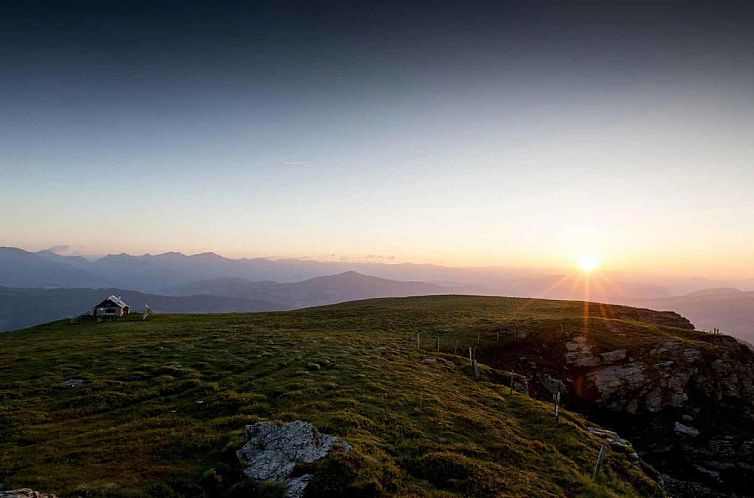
(516, 134)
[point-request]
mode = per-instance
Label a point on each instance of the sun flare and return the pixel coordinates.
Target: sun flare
(588, 263)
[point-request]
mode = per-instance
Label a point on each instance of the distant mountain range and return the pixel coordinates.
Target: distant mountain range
(730, 310)
(347, 286)
(173, 273)
(164, 273)
(265, 284)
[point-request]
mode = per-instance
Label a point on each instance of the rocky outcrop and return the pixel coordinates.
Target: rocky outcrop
(272, 452)
(638, 386)
(24, 493)
(684, 398)
(661, 378)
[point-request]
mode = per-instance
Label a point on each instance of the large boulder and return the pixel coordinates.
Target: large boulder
(272, 451)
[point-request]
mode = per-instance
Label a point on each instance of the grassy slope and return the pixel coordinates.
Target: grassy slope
(418, 429)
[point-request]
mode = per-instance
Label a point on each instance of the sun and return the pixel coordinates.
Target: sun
(588, 263)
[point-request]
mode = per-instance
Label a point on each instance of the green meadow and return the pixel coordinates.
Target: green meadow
(164, 403)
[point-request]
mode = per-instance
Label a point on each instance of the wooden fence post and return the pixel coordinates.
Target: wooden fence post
(600, 461)
(438, 344)
(556, 402)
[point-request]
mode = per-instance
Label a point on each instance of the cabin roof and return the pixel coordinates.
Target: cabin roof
(113, 300)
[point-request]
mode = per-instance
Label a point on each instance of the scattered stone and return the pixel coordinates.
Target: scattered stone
(24, 493)
(611, 356)
(551, 384)
(653, 400)
(691, 355)
(722, 447)
(613, 439)
(666, 347)
(580, 353)
(429, 360)
(313, 366)
(677, 487)
(272, 451)
(200, 402)
(72, 382)
(686, 430)
(747, 448)
(707, 472)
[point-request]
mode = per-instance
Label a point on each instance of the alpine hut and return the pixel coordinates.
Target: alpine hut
(112, 307)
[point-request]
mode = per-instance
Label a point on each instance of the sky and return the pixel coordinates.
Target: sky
(461, 133)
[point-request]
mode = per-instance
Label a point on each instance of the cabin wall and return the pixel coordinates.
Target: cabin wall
(112, 311)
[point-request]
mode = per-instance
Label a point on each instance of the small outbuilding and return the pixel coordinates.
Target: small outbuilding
(112, 307)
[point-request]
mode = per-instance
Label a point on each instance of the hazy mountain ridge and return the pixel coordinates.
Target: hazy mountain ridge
(19, 268)
(316, 291)
(730, 310)
(164, 272)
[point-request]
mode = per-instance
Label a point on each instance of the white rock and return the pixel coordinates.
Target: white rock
(272, 451)
(686, 430)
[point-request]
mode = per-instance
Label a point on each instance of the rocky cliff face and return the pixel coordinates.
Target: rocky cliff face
(685, 399)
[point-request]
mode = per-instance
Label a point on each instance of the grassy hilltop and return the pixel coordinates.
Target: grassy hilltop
(165, 402)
